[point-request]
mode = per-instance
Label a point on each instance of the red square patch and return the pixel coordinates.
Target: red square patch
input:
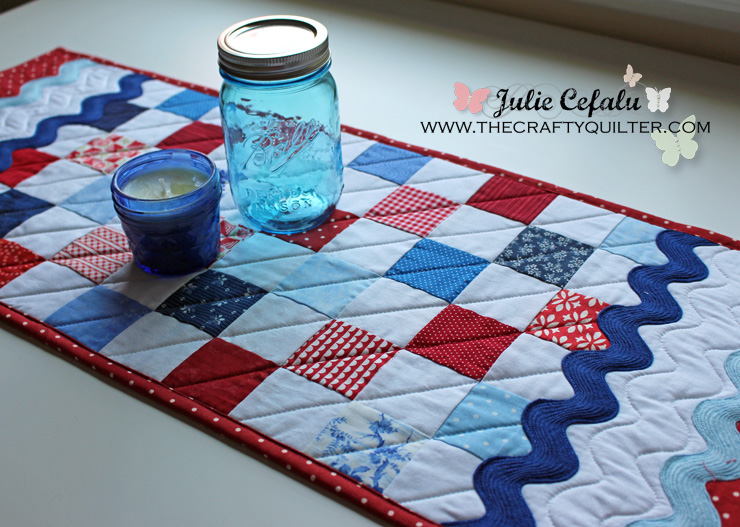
(15, 260)
(413, 210)
(463, 340)
(220, 374)
(97, 255)
(27, 162)
(511, 199)
(315, 239)
(203, 137)
(108, 152)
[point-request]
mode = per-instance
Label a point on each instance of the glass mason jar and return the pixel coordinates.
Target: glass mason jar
(281, 122)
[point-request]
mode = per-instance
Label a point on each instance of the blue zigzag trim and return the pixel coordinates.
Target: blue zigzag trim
(685, 477)
(499, 480)
(91, 111)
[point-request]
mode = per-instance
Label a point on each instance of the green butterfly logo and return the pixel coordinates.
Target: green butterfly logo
(675, 146)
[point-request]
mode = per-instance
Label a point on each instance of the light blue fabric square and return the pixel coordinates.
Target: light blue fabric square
(635, 239)
(94, 201)
(97, 316)
(326, 284)
(487, 423)
(391, 163)
(367, 445)
(190, 104)
(438, 269)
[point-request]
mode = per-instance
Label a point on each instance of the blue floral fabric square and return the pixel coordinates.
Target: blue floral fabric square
(487, 423)
(438, 269)
(190, 104)
(97, 316)
(389, 162)
(544, 255)
(16, 207)
(366, 445)
(211, 301)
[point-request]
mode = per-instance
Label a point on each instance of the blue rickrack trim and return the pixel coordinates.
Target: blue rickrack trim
(685, 477)
(91, 111)
(499, 480)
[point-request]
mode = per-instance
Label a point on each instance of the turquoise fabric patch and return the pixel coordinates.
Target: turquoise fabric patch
(326, 284)
(190, 104)
(391, 163)
(635, 239)
(487, 423)
(94, 201)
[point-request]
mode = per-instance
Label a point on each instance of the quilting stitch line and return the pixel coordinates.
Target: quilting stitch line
(499, 480)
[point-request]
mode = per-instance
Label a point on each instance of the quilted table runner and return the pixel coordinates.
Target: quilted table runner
(456, 345)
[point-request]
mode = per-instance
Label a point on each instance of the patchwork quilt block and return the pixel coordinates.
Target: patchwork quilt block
(426, 353)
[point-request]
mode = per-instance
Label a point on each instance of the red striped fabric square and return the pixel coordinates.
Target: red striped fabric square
(97, 255)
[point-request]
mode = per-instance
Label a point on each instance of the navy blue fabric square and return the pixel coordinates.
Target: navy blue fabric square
(190, 104)
(115, 113)
(211, 301)
(389, 162)
(97, 316)
(438, 269)
(545, 255)
(16, 207)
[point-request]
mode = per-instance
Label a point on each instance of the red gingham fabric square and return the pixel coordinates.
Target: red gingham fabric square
(317, 238)
(97, 255)
(569, 320)
(15, 260)
(341, 357)
(220, 374)
(463, 340)
(413, 210)
(199, 136)
(27, 162)
(108, 152)
(511, 199)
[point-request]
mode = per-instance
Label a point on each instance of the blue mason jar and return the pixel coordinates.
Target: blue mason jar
(281, 122)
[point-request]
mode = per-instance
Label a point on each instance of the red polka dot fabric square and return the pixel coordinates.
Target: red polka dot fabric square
(511, 199)
(341, 357)
(15, 260)
(27, 162)
(199, 136)
(569, 320)
(317, 238)
(97, 255)
(464, 341)
(413, 210)
(220, 374)
(726, 499)
(108, 152)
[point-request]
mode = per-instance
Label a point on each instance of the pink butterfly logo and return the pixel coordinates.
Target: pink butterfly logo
(631, 77)
(465, 99)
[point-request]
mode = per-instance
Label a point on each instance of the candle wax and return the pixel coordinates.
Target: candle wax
(164, 183)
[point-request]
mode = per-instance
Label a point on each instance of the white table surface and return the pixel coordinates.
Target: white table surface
(75, 451)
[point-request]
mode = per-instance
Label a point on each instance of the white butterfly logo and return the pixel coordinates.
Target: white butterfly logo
(631, 77)
(682, 144)
(658, 100)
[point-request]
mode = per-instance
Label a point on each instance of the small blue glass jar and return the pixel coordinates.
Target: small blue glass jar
(281, 122)
(170, 234)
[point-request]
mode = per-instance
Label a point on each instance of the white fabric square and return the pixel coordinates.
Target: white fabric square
(577, 220)
(275, 327)
(447, 179)
(353, 146)
(477, 232)
(604, 276)
(531, 368)
(212, 116)
(219, 154)
(146, 289)
(58, 181)
(70, 137)
(508, 296)
(358, 244)
(154, 93)
(392, 310)
(35, 232)
(416, 391)
(289, 408)
(152, 126)
(440, 495)
(363, 191)
(155, 345)
(263, 260)
(43, 289)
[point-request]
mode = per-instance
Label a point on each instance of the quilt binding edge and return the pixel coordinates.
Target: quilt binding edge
(314, 472)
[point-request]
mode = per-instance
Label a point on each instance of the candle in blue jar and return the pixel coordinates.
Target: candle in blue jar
(168, 203)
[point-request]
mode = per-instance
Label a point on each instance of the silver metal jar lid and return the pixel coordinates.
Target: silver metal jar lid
(273, 48)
